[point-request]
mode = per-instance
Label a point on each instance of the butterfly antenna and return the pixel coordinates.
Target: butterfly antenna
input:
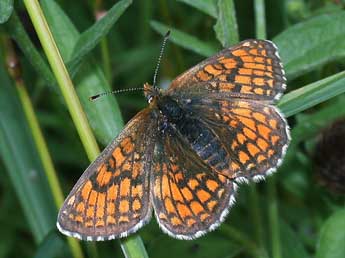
(166, 37)
(97, 96)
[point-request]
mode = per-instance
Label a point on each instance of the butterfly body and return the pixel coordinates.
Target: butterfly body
(184, 155)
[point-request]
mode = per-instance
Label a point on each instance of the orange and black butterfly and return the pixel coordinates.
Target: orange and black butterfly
(183, 156)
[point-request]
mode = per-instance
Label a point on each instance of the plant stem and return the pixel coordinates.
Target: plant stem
(41, 145)
(133, 247)
(256, 214)
(106, 60)
(99, 12)
(71, 98)
(63, 78)
(260, 23)
(271, 184)
(242, 239)
(273, 217)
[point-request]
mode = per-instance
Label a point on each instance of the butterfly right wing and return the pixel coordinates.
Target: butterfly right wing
(254, 135)
(111, 199)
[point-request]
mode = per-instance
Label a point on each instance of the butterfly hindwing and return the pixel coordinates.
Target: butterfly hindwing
(189, 200)
(255, 134)
(251, 69)
(111, 199)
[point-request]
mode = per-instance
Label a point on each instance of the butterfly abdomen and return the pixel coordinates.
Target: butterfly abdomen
(178, 120)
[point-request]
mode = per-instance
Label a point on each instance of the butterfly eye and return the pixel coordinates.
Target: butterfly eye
(150, 99)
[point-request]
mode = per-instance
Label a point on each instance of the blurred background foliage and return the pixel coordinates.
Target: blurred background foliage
(298, 212)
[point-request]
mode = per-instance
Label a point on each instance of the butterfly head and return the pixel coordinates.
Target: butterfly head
(151, 93)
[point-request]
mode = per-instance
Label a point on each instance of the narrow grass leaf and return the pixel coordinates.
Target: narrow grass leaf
(292, 245)
(310, 44)
(213, 245)
(15, 29)
(260, 19)
(52, 246)
(226, 27)
(310, 125)
(104, 115)
(207, 6)
(6, 9)
(134, 247)
(332, 237)
(20, 157)
(92, 36)
(312, 94)
(184, 40)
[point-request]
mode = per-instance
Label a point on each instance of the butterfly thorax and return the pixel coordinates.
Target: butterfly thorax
(170, 109)
(177, 120)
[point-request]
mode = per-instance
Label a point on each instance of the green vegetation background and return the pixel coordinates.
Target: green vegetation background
(288, 215)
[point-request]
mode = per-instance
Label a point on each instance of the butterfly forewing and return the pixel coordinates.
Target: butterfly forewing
(111, 199)
(251, 69)
(189, 200)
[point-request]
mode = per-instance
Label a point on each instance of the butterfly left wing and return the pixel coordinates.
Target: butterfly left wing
(111, 199)
(189, 198)
(251, 69)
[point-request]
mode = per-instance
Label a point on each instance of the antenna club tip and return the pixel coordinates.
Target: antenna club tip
(168, 33)
(94, 97)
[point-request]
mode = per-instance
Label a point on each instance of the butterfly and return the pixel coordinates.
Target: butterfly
(184, 155)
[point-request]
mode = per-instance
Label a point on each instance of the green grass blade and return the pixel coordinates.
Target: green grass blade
(260, 22)
(6, 9)
(90, 38)
(16, 30)
(226, 27)
(207, 6)
(273, 213)
(20, 157)
(309, 125)
(133, 247)
(64, 81)
(292, 243)
(310, 44)
(69, 94)
(184, 40)
(312, 94)
(104, 115)
(332, 237)
(52, 246)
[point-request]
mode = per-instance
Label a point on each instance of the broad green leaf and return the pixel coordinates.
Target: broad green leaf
(90, 38)
(312, 94)
(23, 167)
(184, 40)
(310, 44)
(332, 237)
(16, 30)
(6, 9)
(226, 26)
(104, 115)
(207, 6)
